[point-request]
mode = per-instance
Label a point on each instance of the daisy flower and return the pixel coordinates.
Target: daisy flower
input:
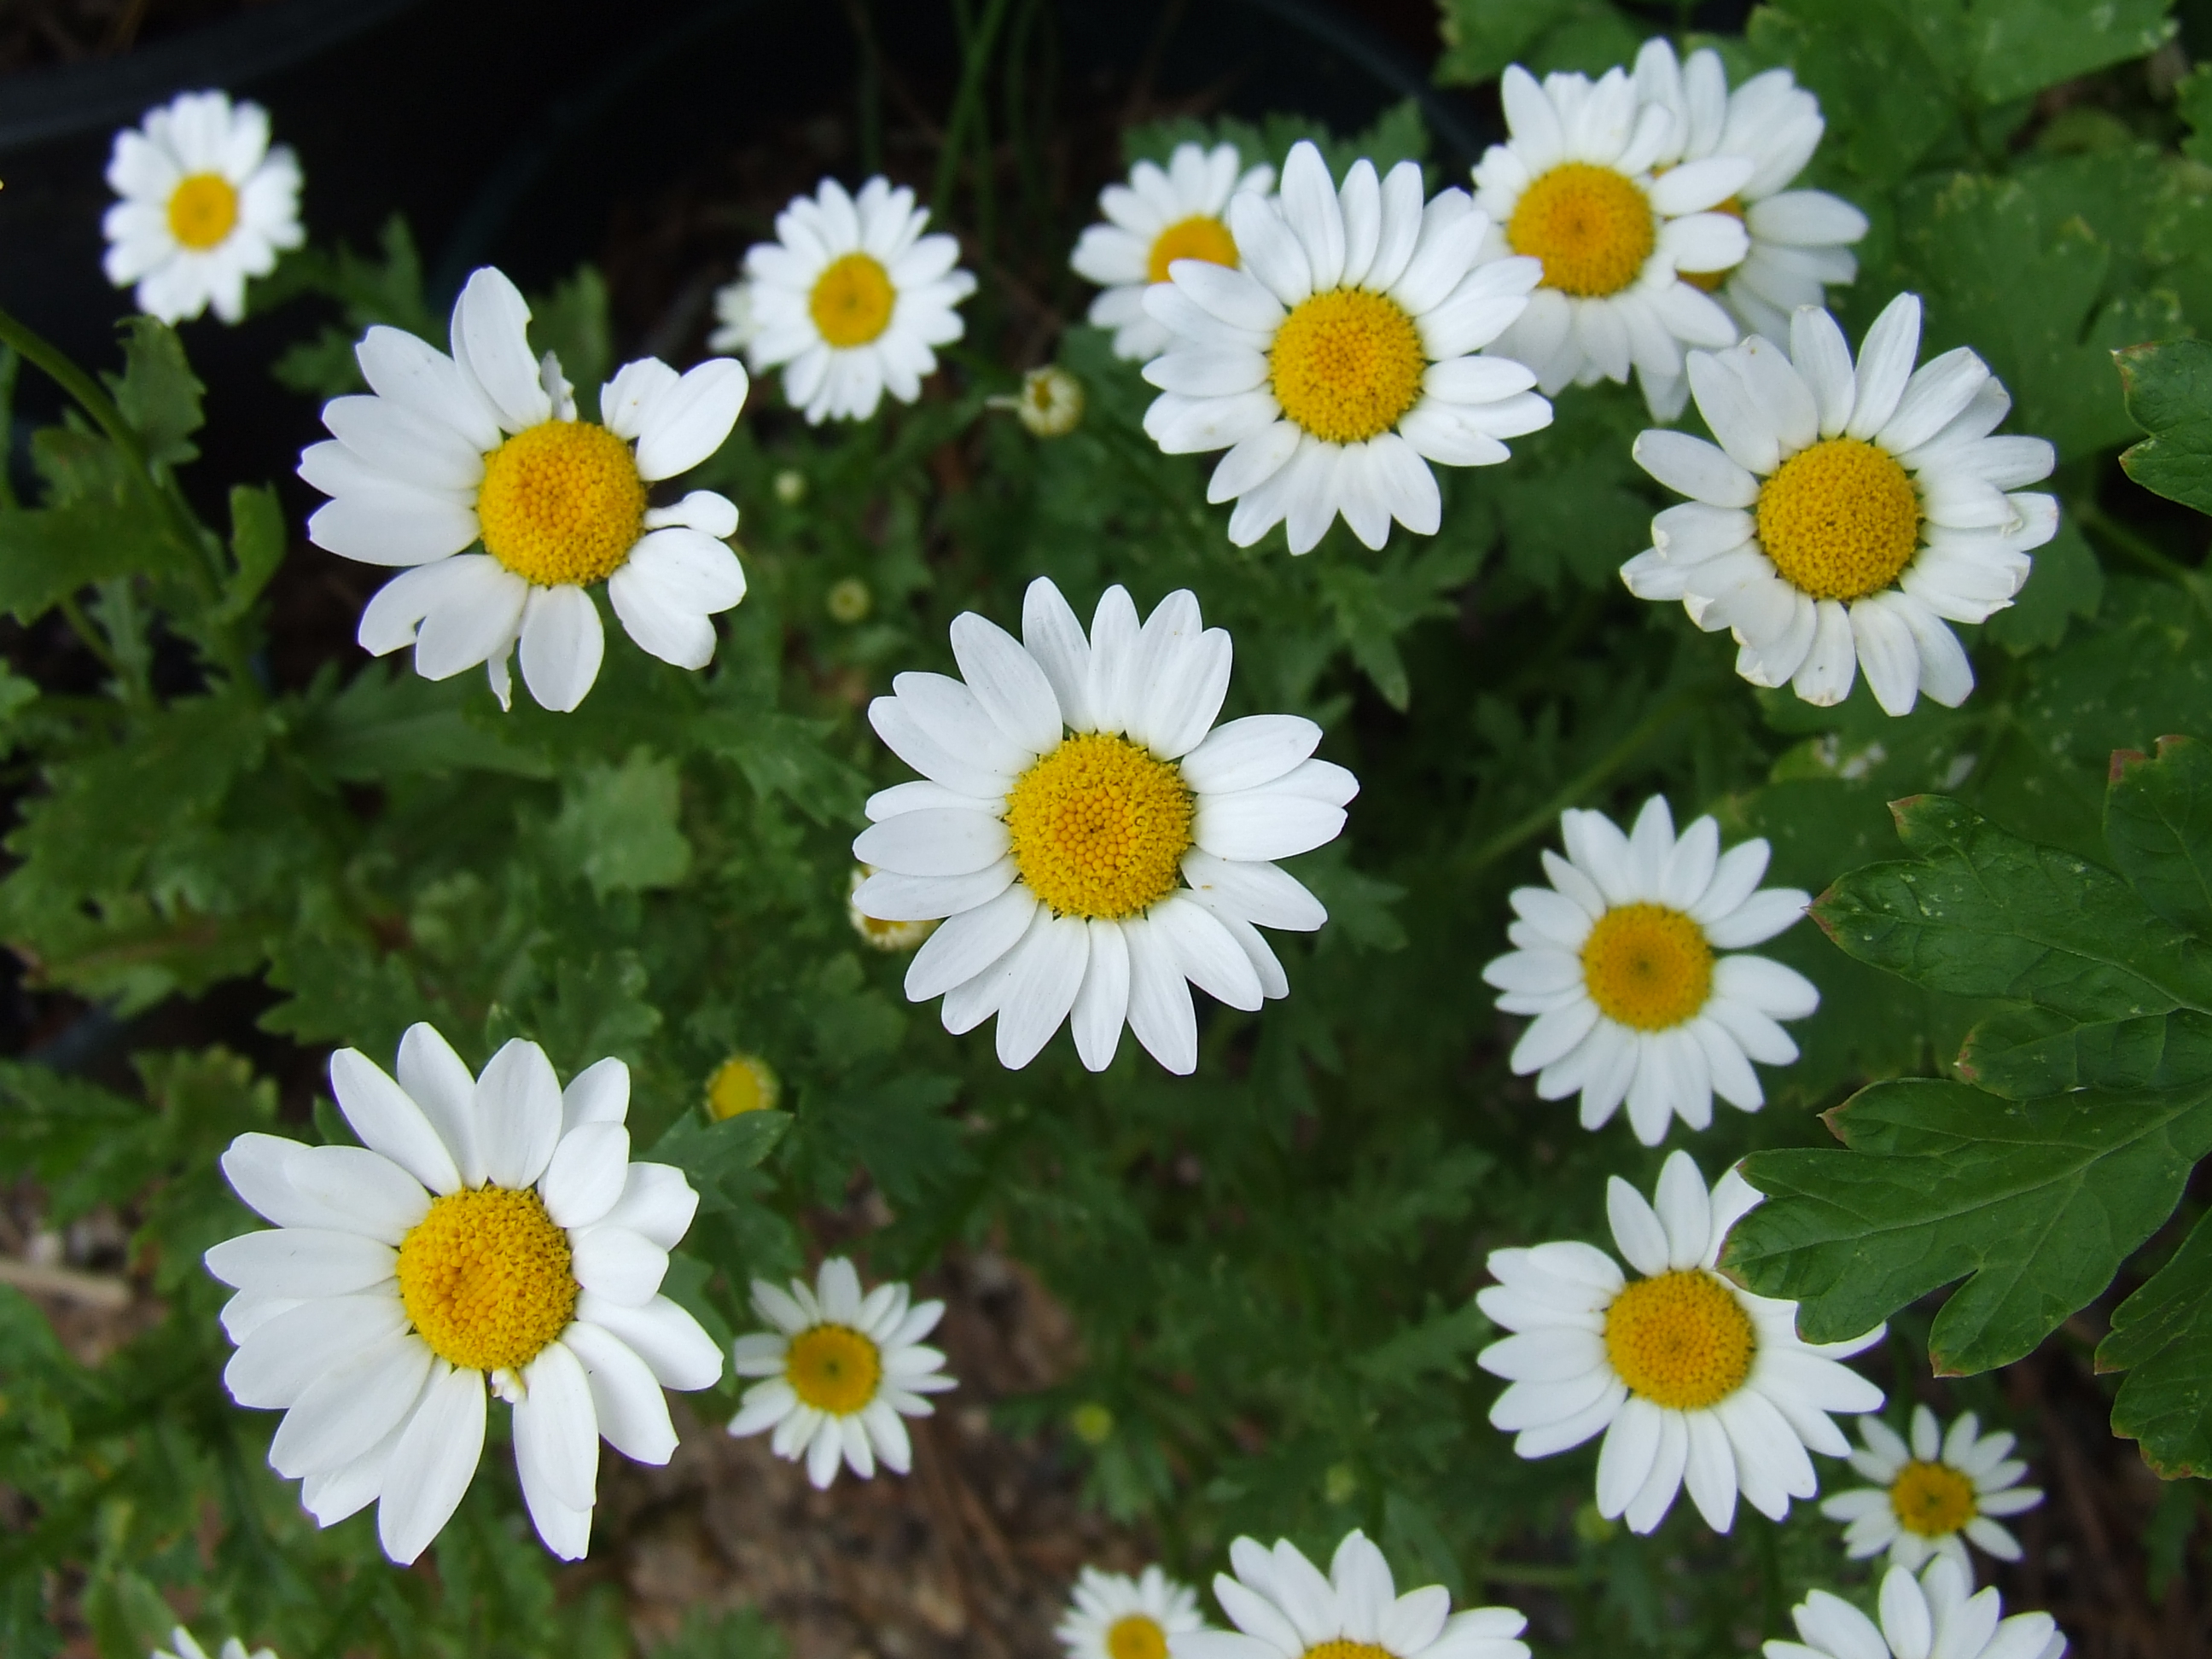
(1801, 239)
(1932, 1615)
(484, 446)
(851, 298)
(742, 1083)
(1574, 186)
(180, 1640)
(734, 325)
(1849, 510)
(207, 203)
(841, 1370)
(1619, 960)
(1285, 1609)
(1334, 366)
(1931, 1497)
(1097, 844)
(1111, 1616)
(490, 1234)
(1158, 217)
(1693, 1381)
(1050, 403)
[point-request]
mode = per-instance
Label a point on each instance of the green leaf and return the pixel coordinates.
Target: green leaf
(2169, 387)
(2161, 1336)
(708, 1152)
(157, 393)
(2192, 97)
(2066, 582)
(2023, 1054)
(2034, 1204)
(734, 1633)
(46, 554)
(618, 826)
(1481, 36)
(1885, 94)
(257, 547)
(786, 755)
(2158, 825)
(389, 723)
(2021, 46)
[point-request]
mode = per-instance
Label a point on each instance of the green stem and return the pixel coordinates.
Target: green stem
(1529, 1573)
(89, 637)
(964, 105)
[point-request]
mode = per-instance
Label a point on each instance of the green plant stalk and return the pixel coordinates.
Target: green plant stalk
(964, 108)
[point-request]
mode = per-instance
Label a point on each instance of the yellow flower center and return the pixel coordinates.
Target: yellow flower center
(1709, 281)
(1933, 1500)
(1344, 1648)
(1202, 236)
(1136, 1636)
(1346, 364)
(853, 300)
(741, 1083)
(562, 503)
(1681, 1340)
(1099, 827)
(486, 1279)
(1592, 228)
(1840, 519)
(1647, 966)
(834, 1369)
(202, 211)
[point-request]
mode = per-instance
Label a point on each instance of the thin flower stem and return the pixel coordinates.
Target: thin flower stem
(964, 107)
(88, 636)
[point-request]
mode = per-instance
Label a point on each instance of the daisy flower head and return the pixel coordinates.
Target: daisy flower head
(851, 299)
(182, 1646)
(1050, 403)
(1113, 1616)
(1096, 845)
(1575, 186)
(1921, 1619)
(1334, 364)
(484, 447)
(490, 1236)
(1931, 1496)
(207, 203)
(1619, 961)
(742, 1083)
(1160, 216)
(1801, 239)
(1849, 510)
(734, 325)
(1693, 1380)
(839, 1370)
(1284, 1607)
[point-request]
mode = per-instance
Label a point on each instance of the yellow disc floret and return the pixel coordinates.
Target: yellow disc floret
(1681, 1340)
(1647, 966)
(1593, 228)
(1933, 1500)
(1345, 1648)
(485, 1277)
(1136, 1636)
(834, 1369)
(562, 503)
(1840, 519)
(1346, 364)
(1099, 827)
(202, 211)
(1202, 236)
(853, 300)
(742, 1083)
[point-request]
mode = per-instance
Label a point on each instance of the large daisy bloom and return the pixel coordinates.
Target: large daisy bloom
(1112, 1616)
(182, 1646)
(207, 203)
(1932, 1495)
(1619, 961)
(1575, 186)
(1693, 1381)
(1285, 1609)
(851, 299)
(1849, 510)
(839, 1370)
(1932, 1617)
(1096, 845)
(1801, 239)
(484, 446)
(490, 1236)
(1161, 216)
(1334, 366)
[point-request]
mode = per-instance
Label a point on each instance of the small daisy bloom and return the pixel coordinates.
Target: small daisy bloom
(852, 299)
(875, 933)
(1849, 510)
(1050, 403)
(1932, 1617)
(1694, 1382)
(742, 1083)
(734, 325)
(1801, 239)
(1929, 1498)
(1285, 1609)
(841, 1370)
(490, 1234)
(484, 446)
(1097, 844)
(1333, 366)
(1575, 187)
(1111, 1616)
(1159, 216)
(182, 1646)
(1619, 960)
(207, 203)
